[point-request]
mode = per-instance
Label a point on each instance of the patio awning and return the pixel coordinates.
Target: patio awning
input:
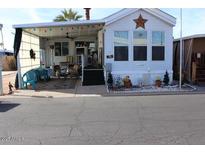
(59, 29)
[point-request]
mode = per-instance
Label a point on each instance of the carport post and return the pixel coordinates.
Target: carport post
(1, 78)
(180, 59)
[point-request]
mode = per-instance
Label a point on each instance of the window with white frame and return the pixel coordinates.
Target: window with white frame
(61, 49)
(121, 46)
(158, 46)
(140, 45)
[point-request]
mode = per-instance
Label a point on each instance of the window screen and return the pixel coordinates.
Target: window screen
(57, 48)
(121, 53)
(65, 49)
(140, 53)
(158, 53)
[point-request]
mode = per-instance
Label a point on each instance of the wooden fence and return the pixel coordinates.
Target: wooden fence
(9, 63)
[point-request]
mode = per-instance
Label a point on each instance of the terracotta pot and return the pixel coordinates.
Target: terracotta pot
(158, 83)
(127, 84)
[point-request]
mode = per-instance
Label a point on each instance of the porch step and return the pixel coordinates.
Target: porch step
(200, 74)
(93, 77)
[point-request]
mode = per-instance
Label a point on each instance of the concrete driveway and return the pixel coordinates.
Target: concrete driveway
(103, 120)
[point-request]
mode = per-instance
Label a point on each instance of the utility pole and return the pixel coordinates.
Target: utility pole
(1, 59)
(180, 61)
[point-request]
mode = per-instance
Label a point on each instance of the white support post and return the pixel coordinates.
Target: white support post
(1, 61)
(1, 78)
(180, 61)
(82, 64)
(19, 73)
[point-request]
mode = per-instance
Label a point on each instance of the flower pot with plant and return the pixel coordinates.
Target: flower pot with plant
(127, 82)
(110, 81)
(166, 79)
(158, 82)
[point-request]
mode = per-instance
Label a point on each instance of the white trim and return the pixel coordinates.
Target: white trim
(191, 37)
(1, 81)
(156, 12)
(141, 72)
(108, 20)
(20, 82)
(56, 24)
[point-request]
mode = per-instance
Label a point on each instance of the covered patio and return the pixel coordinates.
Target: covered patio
(63, 49)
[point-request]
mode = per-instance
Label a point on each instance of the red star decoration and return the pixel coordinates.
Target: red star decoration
(140, 22)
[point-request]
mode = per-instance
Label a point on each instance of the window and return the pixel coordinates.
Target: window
(157, 53)
(158, 46)
(121, 46)
(61, 49)
(140, 53)
(121, 53)
(64, 48)
(140, 46)
(57, 48)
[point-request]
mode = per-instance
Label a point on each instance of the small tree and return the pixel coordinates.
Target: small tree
(110, 81)
(166, 79)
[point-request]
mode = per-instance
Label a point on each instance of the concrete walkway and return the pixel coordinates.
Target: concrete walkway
(8, 76)
(103, 120)
(78, 91)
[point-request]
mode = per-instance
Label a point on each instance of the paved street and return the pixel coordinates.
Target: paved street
(103, 120)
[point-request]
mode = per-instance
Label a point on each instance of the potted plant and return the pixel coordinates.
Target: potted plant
(110, 81)
(118, 81)
(166, 79)
(127, 82)
(158, 82)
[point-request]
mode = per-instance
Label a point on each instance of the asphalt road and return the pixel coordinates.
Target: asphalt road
(103, 120)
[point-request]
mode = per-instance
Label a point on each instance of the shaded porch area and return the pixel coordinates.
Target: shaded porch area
(65, 50)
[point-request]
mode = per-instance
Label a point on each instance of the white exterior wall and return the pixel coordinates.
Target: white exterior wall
(25, 63)
(136, 69)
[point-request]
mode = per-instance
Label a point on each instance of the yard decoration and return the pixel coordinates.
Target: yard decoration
(10, 88)
(158, 82)
(140, 22)
(110, 81)
(118, 82)
(32, 54)
(166, 79)
(127, 82)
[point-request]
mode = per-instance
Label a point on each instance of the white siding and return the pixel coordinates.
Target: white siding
(28, 42)
(136, 69)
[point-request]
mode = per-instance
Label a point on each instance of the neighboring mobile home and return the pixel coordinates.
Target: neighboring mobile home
(193, 62)
(131, 42)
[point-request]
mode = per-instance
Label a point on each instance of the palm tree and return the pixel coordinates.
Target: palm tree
(67, 15)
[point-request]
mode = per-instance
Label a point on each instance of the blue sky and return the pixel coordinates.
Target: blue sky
(193, 19)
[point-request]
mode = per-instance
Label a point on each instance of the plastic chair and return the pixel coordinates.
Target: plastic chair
(30, 78)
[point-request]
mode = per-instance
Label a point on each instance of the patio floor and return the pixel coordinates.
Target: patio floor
(56, 84)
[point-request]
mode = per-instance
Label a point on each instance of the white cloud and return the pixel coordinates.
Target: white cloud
(34, 15)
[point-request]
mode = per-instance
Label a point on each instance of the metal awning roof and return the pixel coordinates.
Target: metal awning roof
(59, 24)
(60, 29)
(191, 37)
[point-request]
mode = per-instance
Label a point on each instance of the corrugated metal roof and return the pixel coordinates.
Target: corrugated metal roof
(191, 37)
(55, 24)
